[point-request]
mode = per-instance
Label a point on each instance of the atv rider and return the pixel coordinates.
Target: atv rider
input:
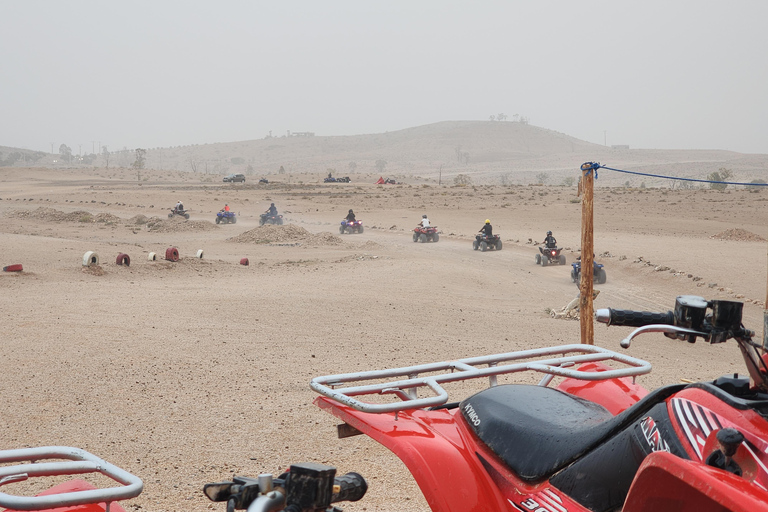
(272, 211)
(178, 208)
(350, 217)
(424, 222)
(487, 229)
(550, 241)
(226, 208)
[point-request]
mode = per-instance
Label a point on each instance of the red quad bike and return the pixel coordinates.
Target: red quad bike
(550, 256)
(484, 243)
(70, 496)
(422, 234)
(597, 441)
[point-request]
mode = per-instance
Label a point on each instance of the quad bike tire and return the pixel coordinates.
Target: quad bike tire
(244, 261)
(186, 216)
(475, 245)
(537, 258)
(436, 237)
(544, 261)
(13, 268)
(498, 245)
(601, 277)
(218, 219)
(90, 259)
(279, 222)
(233, 220)
(574, 276)
(483, 246)
(170, 215)
(360, 229)
(172, 254)
(341, 230)
(261, 222)
(562, 259)
(422, 238)
(123, 259)
(415, 237)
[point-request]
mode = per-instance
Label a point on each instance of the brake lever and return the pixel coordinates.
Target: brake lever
(667, 329)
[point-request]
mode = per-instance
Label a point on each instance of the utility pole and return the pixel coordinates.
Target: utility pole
(605, 137)
(51, 147)
(586, 288)
(93, 146)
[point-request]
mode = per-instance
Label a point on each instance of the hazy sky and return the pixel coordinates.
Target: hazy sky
(651, 74)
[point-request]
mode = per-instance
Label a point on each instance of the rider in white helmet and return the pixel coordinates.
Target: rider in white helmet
(424, 221)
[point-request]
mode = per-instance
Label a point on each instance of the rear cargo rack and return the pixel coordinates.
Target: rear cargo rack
(77, 462)
(552, 362)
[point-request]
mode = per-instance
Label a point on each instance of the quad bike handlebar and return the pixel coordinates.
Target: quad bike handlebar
(714, 321)
(306, 487)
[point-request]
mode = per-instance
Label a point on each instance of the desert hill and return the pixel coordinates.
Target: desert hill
(491, 152)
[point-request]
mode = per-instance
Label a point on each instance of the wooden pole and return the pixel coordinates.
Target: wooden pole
(765, 321)
(587, 255)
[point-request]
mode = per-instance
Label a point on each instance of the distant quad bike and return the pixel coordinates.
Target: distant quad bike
(226, 218)
(355, 226)
(270, 219)
(550, 256)
(599, 272)
(265, 181)
(484, 243)
(180, 213)
(430, 234)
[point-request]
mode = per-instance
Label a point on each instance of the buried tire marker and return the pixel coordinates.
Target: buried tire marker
(90, 259)
(13, 268)
(172, 254)
(123, 259)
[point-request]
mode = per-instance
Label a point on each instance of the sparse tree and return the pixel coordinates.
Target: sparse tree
(492, 117)
(140, 158)
(501, 117)
(65, 152)
(568, 181)
(281, 170)
(542, 178)
(757, 185)
(380, 165)
(352, 166)
(193, 164)
(462, 180)
(722, 174)
(457, 149)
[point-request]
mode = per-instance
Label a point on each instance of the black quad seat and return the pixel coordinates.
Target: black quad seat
(538, 430)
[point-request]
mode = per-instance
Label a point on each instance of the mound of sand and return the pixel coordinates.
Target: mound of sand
(53, 215)
(738, 235)
(177, 225)
(269, 234)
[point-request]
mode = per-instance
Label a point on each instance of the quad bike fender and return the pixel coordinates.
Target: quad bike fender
(666, 482)
(76, 486)
(616, 395)
(436, 449)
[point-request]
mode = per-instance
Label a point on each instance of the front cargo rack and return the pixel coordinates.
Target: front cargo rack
(552, 362)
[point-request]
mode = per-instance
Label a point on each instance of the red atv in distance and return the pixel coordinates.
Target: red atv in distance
(423, 235)
(596, 442)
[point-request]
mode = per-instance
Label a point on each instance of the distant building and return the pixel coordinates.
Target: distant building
(620, 146)
(301, 134)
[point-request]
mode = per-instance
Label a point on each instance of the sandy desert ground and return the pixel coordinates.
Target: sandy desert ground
(186, 373)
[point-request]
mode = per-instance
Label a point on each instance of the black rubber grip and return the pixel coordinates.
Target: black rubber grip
(639, 318)
(352, 487)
